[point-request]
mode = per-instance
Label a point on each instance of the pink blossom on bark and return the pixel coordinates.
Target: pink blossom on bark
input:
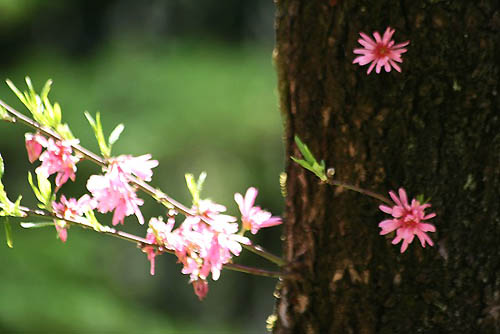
(407, 220)
(381, 52)
(58, 158)
(34, 145)
(253, 217)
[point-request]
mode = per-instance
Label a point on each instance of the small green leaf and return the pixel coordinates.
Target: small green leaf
(90, 119)
(310, 163)
(16, 91)
(115, 134)
(8, 233)
(304, 150)
(46, 89)
(57, 113)
(303, 163)
(37, 192)
(4, 115)
(1, 166)
(201, 181)
(93, 221)
(193, 189)
(29, 84)
(99, 135)
(45, 188)
(28, 225)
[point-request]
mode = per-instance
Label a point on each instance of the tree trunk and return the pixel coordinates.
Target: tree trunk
(432, 129)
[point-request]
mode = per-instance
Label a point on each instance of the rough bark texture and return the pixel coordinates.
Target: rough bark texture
(433, 129)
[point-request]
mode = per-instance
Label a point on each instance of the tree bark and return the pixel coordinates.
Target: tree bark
(432, 129)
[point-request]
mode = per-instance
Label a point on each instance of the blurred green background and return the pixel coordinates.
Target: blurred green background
(194, 84)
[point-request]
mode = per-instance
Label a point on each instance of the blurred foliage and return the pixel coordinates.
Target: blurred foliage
(194, 106)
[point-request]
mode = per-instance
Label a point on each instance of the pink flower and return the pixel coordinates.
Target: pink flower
(380, 52)
(202, 243)
(253, 217)
(407, 220)
(159, 234)
(151, 251)
(34, 145)
(112, 190)
(139, 166)
(200, 287)
(62, 231)
(70, 209)
(57, 158)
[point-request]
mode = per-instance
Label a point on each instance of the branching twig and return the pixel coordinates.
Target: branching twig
(141, 242)
(144, 186)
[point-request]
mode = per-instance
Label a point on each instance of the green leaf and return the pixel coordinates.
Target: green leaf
(8, 233)
(193, 189)
(28, 225)
(99, 135)
(46, 89)
(303, 163)
(1, 166)
(306, 153)
(93, 221)
(4, 115)
(45, 188)
(43, 192)
(16, 91)
(201, 181)
(35, 188)
(115, 134)
(310, 163)
(90, 119)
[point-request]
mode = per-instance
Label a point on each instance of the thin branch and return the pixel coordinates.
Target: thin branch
(254, 271)
(141, 242)
(145, 187)
(360, 190)
(256, 249)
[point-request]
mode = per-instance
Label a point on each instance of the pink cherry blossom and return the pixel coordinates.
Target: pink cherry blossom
(407, 220)
(139, 166)
(62, 231)
(200, 287)
(380, 52)
(151, 251)
(253, 217)
(70, 209)
(202, 243)
(34, 145)
(111, 191)
(58, 158)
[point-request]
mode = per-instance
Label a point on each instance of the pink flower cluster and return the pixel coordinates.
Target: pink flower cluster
(57, 159)
(205, 242)
(381, 52)
(70, 209)
(112, 190)
(407, 220)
